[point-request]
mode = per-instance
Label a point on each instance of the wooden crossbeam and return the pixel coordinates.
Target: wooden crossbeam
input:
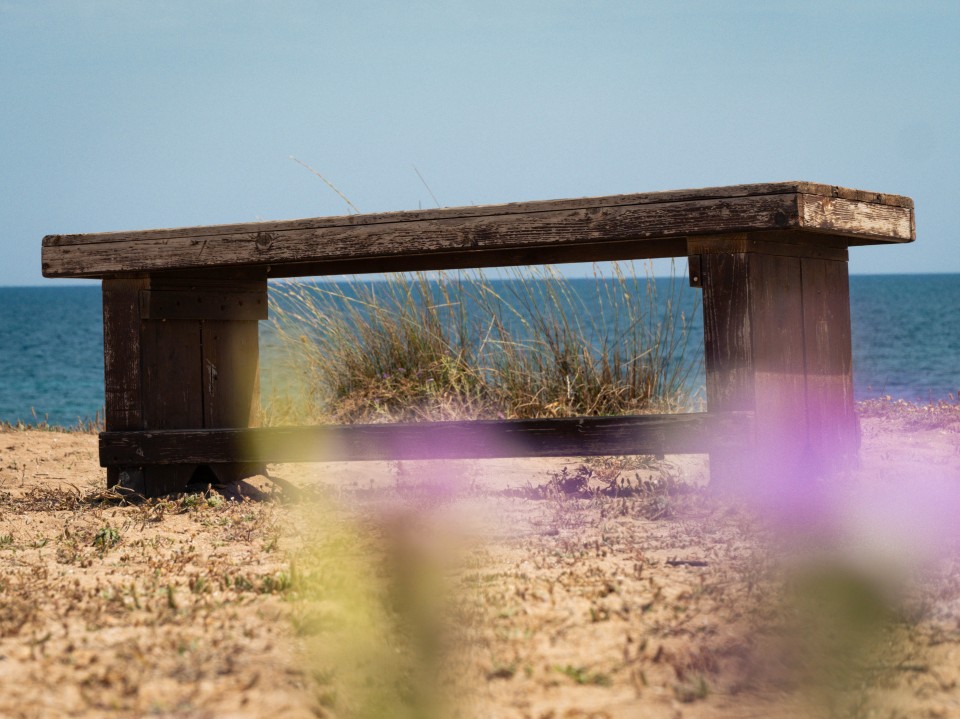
(578, 436)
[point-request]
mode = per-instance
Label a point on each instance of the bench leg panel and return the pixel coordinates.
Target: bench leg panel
(179, 372)
(777, 342)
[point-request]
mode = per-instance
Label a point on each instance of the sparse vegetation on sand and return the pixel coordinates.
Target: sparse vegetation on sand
(537, 588)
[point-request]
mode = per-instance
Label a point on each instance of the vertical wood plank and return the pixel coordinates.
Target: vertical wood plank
(728, 356)
(121, 354)
(231, 384)
(231, 374)
(832, 426)
(171, 374)
(172, 394)
(776, 318)
(777, 342)
(754, 357)
(123, 406)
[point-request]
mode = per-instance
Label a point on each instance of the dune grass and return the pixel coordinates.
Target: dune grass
(464, 346)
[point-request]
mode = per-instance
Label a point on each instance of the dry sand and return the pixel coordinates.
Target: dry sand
(482, 589)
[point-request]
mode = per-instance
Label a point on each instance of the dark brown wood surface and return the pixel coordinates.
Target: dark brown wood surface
(582, 436)
(121, 353)
(777, 342)
(776, 322)
(166, 367)
(786, 243)
(171, 390)
(231, 384)
(123, 407)
(728, 351)
(202, 305)
(832, 426)
(487, 235)
(230, 374)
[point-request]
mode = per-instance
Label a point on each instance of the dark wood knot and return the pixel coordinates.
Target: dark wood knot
(264, 240)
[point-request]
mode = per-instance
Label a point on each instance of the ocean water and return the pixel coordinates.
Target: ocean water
(906, 342)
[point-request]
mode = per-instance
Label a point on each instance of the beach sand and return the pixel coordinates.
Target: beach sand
(482, 589)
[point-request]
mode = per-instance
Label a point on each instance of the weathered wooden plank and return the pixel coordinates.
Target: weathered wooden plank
(685, 195)
(225, 280)
(171, 374)
(776, 322)
(123, 406)
(862, 220)
(754, 358)
(558, 254)
(171, 391)
(471, 237)
(231, 374)
(785, 243)
(832, 427)
(202, 305)
(581, 436)
(728, 353)
(464, 235)
(121, 354)
(231, 385)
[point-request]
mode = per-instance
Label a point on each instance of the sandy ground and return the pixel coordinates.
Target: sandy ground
(483, 589)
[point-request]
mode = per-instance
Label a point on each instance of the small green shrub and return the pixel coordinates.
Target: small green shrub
(106, 538)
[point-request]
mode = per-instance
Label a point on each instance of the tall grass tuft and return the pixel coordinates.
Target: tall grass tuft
(464, 346)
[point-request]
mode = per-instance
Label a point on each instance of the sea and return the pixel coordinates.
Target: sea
(906, 342)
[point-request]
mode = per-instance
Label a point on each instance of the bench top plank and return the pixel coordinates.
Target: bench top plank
(540, 232)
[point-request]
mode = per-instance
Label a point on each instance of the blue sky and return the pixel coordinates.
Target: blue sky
(121, 114)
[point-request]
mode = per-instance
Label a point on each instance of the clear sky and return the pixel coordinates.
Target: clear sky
(122, 114)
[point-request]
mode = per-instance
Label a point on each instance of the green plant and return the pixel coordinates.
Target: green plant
(581, 675)
(192, 501)
(466, 346)
(106, 538)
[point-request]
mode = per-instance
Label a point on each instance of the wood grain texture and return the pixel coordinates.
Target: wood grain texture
(583, 436)
(171, 374)
(728, 351)
(121, 354)
(479, 236)
(230, 374)
(695, 270)
(777, 343)
(863, 221)
(202, 305)
(786, 243)
(231, 385)
(123, 400)
(171, 391)
(686, 195)
(776, 320)
(832, 427)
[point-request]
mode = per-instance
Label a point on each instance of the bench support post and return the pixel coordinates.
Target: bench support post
(777, 343)
(181, 354)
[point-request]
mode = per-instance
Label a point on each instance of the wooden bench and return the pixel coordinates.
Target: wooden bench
(181, 307)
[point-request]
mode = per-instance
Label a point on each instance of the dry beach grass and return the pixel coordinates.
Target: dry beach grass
(498, 588)
(461, 345)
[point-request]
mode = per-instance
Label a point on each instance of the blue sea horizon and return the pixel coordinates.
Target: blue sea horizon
(906, 343)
